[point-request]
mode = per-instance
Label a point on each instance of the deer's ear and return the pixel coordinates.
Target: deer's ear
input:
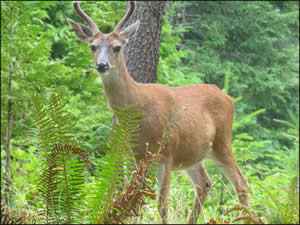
(82, 31)
(130, 31)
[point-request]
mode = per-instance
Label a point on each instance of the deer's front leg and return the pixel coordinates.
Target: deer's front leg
(164, 184)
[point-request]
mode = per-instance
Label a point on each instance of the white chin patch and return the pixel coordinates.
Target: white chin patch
(104, 73)
(108, 76)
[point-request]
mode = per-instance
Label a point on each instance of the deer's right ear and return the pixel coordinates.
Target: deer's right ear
(82, 31)
(130, 31)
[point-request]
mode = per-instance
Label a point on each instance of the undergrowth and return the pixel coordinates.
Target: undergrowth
(72, 196)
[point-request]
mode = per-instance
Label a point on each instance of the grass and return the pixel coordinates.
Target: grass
(181, 198)
(225, 209)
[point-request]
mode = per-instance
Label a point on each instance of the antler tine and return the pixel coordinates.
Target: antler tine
(82, 14)
(126, 17)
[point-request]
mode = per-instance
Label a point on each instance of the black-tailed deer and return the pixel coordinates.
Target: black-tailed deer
(204, 127)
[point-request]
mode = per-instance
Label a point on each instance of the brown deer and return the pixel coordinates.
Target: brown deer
(204, 127)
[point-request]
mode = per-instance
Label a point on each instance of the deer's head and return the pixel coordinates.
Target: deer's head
(106, 48)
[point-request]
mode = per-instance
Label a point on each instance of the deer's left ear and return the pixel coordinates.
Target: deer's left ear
(130, 31)
(82, 31)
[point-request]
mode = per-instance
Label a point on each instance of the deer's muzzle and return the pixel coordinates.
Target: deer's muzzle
(102, 66)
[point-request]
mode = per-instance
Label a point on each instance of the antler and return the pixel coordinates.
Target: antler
(82, 14)
(126, 17)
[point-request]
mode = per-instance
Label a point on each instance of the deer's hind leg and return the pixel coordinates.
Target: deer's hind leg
(222, 155)
(202, 186)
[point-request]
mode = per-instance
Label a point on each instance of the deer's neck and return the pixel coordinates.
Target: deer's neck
(119, 87)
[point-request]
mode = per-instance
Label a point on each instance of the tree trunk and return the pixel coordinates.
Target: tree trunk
(142, 51)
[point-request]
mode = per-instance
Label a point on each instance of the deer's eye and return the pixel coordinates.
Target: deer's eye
(117, 49)
(93, 47)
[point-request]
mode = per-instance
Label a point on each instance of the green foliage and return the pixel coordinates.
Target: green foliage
(62, 182)
(63, 171)
(280, 204)
(250, 49)
(292, 125)
(25, 170)
(52, 122)
(25, 50)
(169, 71)
(247, 118)
(111, 173)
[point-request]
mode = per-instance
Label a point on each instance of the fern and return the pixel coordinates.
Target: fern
(45, 125)
(64, 164)
(110, 172)
(133, 196)
(286, 209)
(64, 168)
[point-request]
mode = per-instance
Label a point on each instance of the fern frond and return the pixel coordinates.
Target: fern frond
(110, 172)
(133, 196)
(52, 121)
(285, 210)
(61, 118)
(44, 124)
(63, 164)
(62, 182)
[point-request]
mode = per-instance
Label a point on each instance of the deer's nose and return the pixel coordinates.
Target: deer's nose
(102, 66)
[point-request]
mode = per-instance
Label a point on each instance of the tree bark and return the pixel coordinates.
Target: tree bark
(142, 51)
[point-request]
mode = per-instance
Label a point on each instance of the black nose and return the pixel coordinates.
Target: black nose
(102, 66)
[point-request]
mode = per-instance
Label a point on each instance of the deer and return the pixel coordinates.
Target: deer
(203, 129)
